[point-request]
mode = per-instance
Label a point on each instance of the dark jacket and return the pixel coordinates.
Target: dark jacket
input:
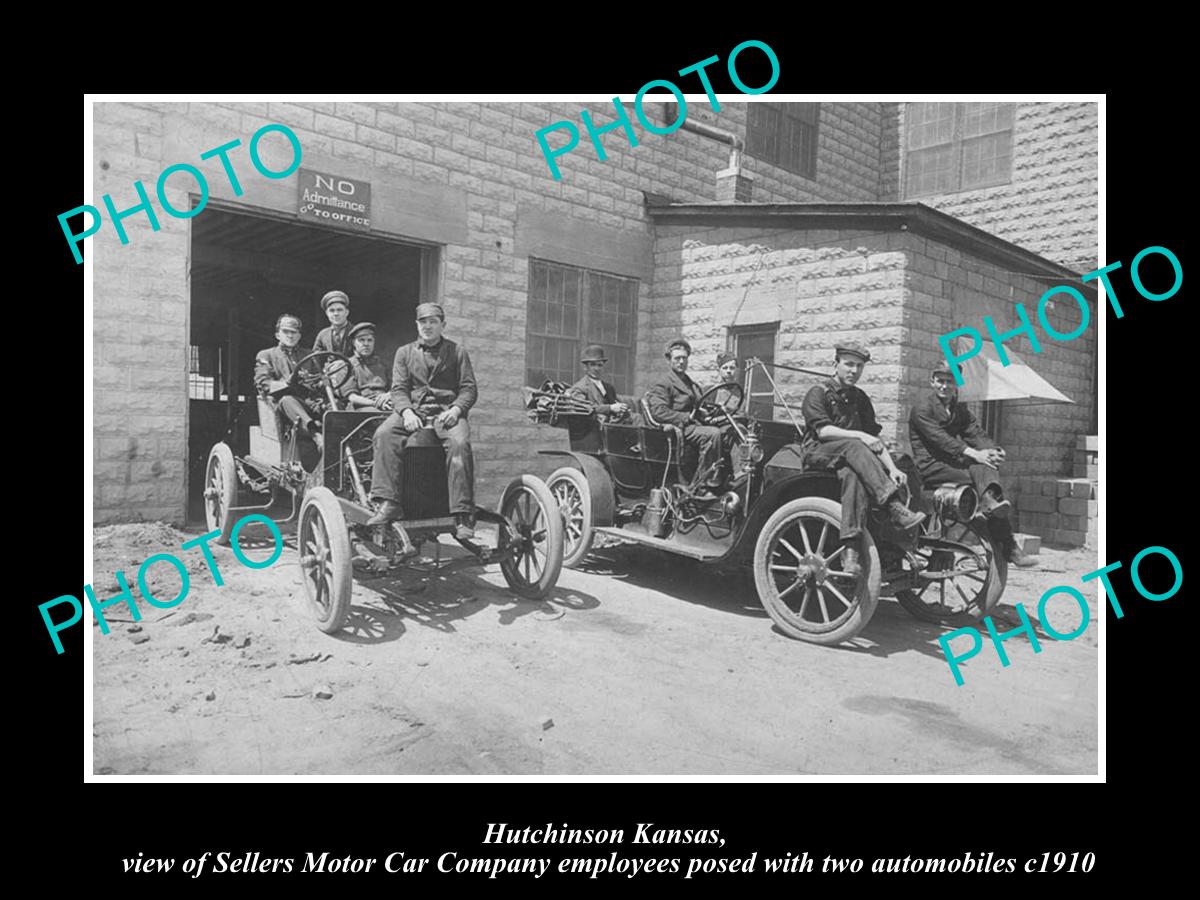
(448, 381)
(672, 400)
(831, 403)
(326, 341)
(369, 377)
(941, 433)
(604, 399)
(276, 364)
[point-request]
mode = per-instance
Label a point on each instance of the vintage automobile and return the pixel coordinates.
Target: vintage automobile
(326, 499)
(773, 514)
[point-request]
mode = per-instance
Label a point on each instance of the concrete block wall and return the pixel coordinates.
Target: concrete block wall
(1062, 511)
(478, 165)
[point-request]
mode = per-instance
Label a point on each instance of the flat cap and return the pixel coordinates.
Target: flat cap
(430, 309)
(854, 348)
(334, 296)
(678, 342)
(941, 369)
(358, 329)
(726, 357)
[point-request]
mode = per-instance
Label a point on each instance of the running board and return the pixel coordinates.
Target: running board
(650, 541)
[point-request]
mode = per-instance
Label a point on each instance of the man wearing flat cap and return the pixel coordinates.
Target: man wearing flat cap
(432, 379)
(273, 370)
(336, 306)
(370, 381)
(842, 435)
(727, 365)
(949, 447)
(672, 403)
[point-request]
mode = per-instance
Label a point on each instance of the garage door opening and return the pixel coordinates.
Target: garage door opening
(246, 270)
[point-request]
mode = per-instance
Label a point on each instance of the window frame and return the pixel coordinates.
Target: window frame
(957, 144)
(805, 163)
(759, 329)
(588, 279)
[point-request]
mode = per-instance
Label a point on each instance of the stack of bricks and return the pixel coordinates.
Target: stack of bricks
(1062, 511)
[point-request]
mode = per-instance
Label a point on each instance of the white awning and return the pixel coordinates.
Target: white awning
(984, 378)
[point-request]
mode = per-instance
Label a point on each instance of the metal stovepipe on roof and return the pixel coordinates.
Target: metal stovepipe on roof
(736, 144)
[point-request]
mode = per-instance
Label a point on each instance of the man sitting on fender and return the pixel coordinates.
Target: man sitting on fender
(843, 435)
(672, 402)
(432, 378)
(949, 447)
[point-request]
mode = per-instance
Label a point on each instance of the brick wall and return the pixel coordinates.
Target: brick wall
(482, 180)
(1050, 206)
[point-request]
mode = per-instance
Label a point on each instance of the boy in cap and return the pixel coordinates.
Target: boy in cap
(336, 306)
(432, 377)
(672, 402)
(844, 436)
(273, 368)
(369, 382)
(728, 367)
(949, 447)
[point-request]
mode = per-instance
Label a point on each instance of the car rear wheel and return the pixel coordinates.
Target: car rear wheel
(533, 544)
(961, 582)
(799, 576)
(570, 489)
(326, 567)
(220, 491)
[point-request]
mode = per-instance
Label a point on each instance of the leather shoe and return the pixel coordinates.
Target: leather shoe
(463, 530)
(989, 506)
(903, 517)
(389, 511)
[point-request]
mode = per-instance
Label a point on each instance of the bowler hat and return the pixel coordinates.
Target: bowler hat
(358, 329)
(333, 296)
(853, 348)
(678, 342)
(593, 353)
(430, 309)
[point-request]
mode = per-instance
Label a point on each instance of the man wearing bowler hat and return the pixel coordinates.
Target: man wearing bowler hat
(949, 447)
(432, 380)
(672, 402)
(842, 435)
(370, 381)
(592, 387)
(336, 306)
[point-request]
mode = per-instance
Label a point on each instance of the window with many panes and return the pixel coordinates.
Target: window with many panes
(991, 418)
(953, 147)
(784, 135)
(569, 308)
(757, 341)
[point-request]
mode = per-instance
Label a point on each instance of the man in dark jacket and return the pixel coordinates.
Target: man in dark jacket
(273, 368)
(585, 431)
(949, 447)
(336, 306)
(672, 403)
(369, 384)
(727, 365)
(432, 379)
(843, 435)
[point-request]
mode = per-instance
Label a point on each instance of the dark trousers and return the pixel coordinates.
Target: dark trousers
(983, 478)
(864, 479)
(390, 438)
(707, 441)
(299, 415)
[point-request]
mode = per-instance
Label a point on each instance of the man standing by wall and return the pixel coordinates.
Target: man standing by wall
(432, 379)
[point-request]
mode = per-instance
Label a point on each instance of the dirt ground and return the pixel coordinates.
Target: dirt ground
(640, 663)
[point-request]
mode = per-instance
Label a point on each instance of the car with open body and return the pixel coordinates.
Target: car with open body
(774, 514)
(327, 500)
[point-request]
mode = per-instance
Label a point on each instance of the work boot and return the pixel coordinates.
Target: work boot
(313, 427)
(463, 531)
(389, 511)
(850, 564)
(903, 517)
(990, 506)
(1017, 558)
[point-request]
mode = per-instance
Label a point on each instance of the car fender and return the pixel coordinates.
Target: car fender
(776, 493)
(604, 497)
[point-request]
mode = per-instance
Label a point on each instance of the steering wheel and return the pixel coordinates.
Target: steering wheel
(319, 365)
(711, 409)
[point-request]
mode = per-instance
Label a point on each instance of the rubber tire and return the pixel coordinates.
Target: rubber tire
(321, 502)
(997, 579)
(573, 556)
(220, 458)
(554, 539)
(868, 586)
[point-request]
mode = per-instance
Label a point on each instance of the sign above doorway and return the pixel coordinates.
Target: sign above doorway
(334, 200)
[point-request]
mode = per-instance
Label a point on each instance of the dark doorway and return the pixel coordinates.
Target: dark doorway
(246, 270)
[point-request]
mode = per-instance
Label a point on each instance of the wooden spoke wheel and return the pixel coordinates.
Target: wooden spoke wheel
(570, 489)
(799, 576)
(532, 547)
(220, 491)
(325, 564)
(960, 582)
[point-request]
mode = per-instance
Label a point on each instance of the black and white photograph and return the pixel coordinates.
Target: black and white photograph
(685, 435)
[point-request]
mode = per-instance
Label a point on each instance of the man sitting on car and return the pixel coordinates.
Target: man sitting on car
(273, 368)
(370, 382)
(672, 403)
